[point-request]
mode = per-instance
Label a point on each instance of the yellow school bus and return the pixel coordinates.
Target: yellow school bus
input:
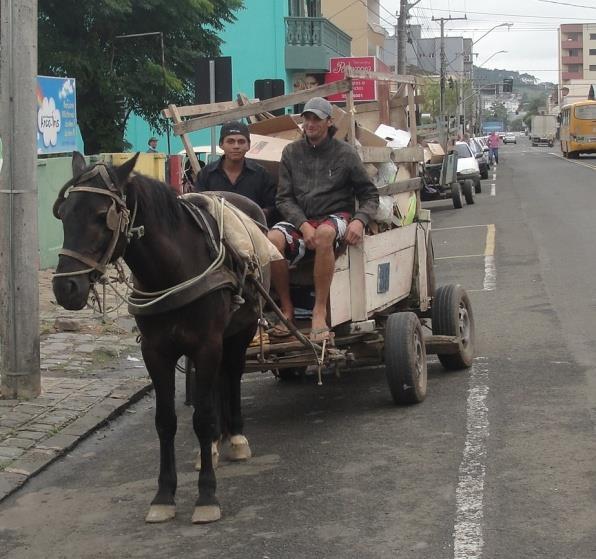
(578, 128)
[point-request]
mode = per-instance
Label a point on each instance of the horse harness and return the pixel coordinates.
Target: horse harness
(219, 274)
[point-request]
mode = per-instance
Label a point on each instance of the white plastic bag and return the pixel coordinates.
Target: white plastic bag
(385, 210)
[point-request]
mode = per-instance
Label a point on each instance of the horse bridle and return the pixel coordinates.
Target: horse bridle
(117, 220)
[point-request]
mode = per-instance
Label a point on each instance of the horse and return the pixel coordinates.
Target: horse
(108, 212)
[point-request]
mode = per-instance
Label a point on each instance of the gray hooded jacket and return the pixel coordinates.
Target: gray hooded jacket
(316, 181)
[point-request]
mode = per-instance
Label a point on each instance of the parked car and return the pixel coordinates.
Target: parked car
(467, 165)
(482, 154)
(510, 139)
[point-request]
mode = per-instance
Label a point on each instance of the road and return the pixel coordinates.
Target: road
(498, 462)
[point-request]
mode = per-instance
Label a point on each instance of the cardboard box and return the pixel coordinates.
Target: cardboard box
(284, 127)
(266, 150)
(368, 138)
(433, 153)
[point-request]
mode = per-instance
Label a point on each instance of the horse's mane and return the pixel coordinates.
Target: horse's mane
(155, 199)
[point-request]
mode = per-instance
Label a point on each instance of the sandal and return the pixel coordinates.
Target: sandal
(320, 334)
(280, 330)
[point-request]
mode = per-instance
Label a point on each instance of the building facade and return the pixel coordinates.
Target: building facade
(287, 40)
(577, 61)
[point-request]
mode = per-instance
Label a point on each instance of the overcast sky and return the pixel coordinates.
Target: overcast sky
(531, 42)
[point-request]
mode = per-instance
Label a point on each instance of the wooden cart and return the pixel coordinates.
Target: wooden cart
(383, 291)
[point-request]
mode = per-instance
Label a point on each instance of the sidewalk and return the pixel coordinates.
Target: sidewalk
(90, 372)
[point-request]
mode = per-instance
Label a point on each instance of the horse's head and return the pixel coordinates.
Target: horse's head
(95, 218)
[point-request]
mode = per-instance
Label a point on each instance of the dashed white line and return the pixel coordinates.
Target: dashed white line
(468, 538)
(490, 270)
(493, 189)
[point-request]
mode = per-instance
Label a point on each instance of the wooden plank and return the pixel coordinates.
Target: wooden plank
(389, 242)
(357, 283)
(351, 120)
(412, 113)
(442, 344)
(409, 185)
(370, 154)
(195, 110)
(413, 154)
(380, 76)
(192, 156)
(280, 102)
(394, 103)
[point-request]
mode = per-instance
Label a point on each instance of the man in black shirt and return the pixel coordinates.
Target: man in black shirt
(234, 173)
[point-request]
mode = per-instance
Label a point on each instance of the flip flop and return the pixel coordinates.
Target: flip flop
(280, 330)
(320, 334)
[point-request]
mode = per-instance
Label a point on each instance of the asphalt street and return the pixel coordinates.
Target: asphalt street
(497, 463)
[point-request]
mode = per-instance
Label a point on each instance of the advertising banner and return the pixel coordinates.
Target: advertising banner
(364, 90)
(56, 115)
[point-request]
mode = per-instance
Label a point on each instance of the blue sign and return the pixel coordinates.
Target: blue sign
(56, 115)
(493, 126)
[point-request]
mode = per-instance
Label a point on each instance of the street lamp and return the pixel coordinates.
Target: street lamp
(509, 25)
(491, 56)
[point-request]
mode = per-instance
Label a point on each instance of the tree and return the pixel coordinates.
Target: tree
(115, 77)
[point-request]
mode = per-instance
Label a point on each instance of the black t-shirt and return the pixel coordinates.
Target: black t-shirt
(254, 182)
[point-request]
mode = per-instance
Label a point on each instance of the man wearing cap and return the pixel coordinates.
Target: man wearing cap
(152, 143)
(319, 179)
(234, 173)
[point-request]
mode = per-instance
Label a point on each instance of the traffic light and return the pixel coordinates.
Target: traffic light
(507, 85)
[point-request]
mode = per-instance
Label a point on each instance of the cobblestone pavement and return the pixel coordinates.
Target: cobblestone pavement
(91, 370)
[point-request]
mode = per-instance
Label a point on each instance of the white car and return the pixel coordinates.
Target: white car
(467, 165)
(510, 139)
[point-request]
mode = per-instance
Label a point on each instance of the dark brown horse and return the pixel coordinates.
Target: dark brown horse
(108, 213)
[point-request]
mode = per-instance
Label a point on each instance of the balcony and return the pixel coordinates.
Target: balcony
(572, 59)
(571, 43)
(572, 75)
(311, 41)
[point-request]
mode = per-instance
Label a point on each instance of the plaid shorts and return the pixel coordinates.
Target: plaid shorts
(295, 245)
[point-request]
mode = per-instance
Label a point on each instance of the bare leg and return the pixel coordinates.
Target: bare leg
(323, 274)
(280, 275)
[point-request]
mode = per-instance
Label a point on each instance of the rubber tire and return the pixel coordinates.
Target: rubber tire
(469, 191)
(452, 316)
(478, 186)
(484, 175)
(405, 358)
(291, 374)
(456, 196)
(573, 155)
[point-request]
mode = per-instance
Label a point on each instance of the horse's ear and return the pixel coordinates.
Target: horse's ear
(124, 171)
(78, 163)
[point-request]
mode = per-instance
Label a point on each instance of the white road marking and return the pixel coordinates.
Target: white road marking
(493, 189)
(581, 164)
(456, 227)
(468, 538)
(490, 270)
(494, 176)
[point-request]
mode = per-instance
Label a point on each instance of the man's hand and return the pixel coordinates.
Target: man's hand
(354, 232)
(308, 234)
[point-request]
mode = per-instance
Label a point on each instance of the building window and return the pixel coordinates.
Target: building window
(592, 52)
(592, 36)
(573, 52)
(304, 8)
(592, 67)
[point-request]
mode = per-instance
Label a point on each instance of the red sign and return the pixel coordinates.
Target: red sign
(364, 90)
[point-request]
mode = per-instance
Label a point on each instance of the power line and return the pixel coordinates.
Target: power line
(568, 4)
(500, 14)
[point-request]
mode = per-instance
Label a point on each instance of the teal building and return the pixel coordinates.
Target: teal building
(271, 39)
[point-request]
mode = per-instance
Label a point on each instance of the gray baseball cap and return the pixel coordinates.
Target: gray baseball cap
(318, 106)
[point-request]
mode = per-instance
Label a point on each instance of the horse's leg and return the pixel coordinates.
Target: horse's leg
(217, 435)
(208, 360)
(161, 371)
(233, 368)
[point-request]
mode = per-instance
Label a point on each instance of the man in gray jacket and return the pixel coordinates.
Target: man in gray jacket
(319, 179)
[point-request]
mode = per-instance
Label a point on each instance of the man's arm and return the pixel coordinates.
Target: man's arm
(267, 195)
(285, 200)
(366, 192)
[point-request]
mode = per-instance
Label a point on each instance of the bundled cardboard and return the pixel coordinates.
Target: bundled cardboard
(267, 150)
(433, 153)
(395, 137)
(284, 127)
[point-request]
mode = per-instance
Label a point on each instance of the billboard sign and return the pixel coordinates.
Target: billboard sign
(364, 90)
(56, 115)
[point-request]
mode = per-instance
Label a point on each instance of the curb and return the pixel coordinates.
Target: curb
(35, 460)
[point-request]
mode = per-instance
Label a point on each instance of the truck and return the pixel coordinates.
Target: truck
(543, 129)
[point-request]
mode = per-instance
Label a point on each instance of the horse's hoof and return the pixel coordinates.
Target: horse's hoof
(214, 457)
(206, 514)
(239, 448)
(160, 513)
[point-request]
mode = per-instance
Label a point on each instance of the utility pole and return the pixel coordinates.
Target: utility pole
(19, 253)
(443, 72)
(402, 35)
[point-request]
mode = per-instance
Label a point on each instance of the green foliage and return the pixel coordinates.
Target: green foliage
(497, 112)
(430, 90)
(117, 76)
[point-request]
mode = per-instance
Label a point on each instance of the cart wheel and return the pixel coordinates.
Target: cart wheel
(291, 374)
(452, 316)
(469, 192)
(484, 175)
(405, 358)
(456, 196)
(478, 186)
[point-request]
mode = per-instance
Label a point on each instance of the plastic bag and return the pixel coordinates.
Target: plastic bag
(385, 210)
